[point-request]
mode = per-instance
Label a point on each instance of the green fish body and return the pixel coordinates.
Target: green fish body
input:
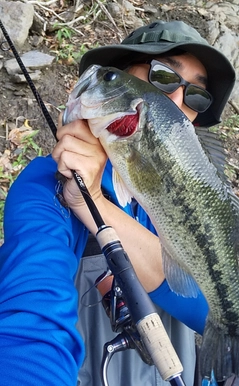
(177, 177)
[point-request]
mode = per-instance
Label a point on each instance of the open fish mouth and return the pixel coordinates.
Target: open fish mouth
(119, 124)
(125, 126)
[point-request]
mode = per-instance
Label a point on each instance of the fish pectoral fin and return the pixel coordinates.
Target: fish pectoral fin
(123, 195)
(179, 281)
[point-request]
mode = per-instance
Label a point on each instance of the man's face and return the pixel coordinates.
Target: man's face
(186, 65)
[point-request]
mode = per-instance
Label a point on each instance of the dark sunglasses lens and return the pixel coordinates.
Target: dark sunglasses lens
(197, 98)
(164, 78)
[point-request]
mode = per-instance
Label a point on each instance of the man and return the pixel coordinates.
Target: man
(44, 241)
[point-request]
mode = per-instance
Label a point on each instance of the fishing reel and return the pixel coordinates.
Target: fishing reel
(121, 323)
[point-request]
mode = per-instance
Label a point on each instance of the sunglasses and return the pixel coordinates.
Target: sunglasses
(168, 81)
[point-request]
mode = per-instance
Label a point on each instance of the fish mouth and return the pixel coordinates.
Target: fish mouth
(124, 126)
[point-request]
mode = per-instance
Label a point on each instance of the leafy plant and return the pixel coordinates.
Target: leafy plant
(63, 47)
(66, 52)
(66, 45)
(63, 33)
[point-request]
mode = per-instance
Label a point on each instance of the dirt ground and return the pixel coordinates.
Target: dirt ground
(17, 100)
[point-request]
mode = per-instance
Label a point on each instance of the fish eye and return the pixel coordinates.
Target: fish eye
(110, 75)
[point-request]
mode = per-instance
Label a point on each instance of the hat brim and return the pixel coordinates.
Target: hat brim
(221, 75)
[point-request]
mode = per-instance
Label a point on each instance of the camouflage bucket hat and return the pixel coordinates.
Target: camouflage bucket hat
(161, 37)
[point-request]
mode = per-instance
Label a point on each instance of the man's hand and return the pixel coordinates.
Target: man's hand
(79, 150)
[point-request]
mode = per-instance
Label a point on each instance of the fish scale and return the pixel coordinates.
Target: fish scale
(177, 177)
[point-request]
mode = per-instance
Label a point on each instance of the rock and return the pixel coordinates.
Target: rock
(125, 11)
(226, 12)
(128, 8)
(166, 8)
(214, 31)
(32, 60)
(20, 78)
(204, 13)
(36, 40)
(150, 9)
(136, 23)
(21, 93)
(224, 35)
(228, 43)
(17, 19)
(114, 9)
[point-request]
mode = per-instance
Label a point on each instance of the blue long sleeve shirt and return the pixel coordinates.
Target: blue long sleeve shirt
(39, 343)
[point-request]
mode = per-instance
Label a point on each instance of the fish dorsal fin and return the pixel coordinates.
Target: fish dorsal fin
(216, 153)
(235, 201)
(214, 149)
(123, 195)
(180, 281)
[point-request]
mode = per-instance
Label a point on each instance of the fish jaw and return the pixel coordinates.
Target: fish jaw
(93, 99)
(73, 109)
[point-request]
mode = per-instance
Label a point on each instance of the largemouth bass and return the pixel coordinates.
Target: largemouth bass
(177, 176)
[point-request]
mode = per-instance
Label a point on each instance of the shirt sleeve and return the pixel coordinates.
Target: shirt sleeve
(191, 311)
(39, 343)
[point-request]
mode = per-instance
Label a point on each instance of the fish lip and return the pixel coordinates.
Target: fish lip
(88, 78)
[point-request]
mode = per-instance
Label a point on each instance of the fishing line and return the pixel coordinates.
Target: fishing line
(78, 179)
(97, 282)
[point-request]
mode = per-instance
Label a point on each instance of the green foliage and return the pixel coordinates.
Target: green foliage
(66, 52)
(66, 43)
(228, 128)
(232, 122)
(64, 47)
(61, 107)
(63, 34)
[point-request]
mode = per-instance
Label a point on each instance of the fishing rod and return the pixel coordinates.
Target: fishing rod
(142, 310)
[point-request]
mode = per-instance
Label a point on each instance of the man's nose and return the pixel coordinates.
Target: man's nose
(177, 96)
